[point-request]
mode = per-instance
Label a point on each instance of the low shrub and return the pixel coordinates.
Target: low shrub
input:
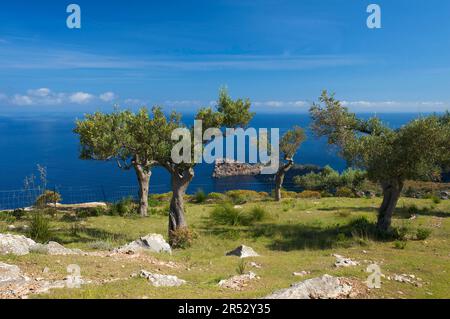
(216, 197)
(423, 233)
(241, 266)
(7, 217)
(199, 197)
(401, 233)
(182, 238)
(435, 199)
(309, 194)
(48, 197)
(344, 192)
(400, 244)
(18, 214)
(125, 207)
(288, 194)
(163, 211)
(164, 197)
(40, 230)
(227, 215)
(258, 214)
(239, 197)
(91, 212)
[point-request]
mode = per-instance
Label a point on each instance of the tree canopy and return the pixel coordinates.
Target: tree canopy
(417, 150)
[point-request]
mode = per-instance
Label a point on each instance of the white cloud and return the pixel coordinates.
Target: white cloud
(80, 98)
(293, 105)
(108, 96)
(42, 92)
(21, 100)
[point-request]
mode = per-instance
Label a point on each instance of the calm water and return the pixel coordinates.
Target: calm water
(26, 141)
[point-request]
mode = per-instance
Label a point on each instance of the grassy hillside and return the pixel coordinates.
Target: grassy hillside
(297, 235)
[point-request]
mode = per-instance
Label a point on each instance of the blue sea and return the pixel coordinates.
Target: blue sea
(27, 140)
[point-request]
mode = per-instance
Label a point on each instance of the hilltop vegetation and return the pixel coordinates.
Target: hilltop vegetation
(293, 235)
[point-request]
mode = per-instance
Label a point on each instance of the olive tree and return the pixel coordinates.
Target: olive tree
(227, 113)
(417, 150)
(289, 144)
(130, 139)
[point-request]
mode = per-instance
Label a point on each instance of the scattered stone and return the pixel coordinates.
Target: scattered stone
(243, 252)
(301, 273)
(11, 227)
(15, 244)
(409, 279)
(344, 262)
(445, 195)
(325, 287)
(159, 280)
(255, 265)
(238, 282)
(152, 242)
(11, 274)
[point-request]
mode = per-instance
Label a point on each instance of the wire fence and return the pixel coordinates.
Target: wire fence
(15, 199)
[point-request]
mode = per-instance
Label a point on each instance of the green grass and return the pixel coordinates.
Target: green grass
(294, 235)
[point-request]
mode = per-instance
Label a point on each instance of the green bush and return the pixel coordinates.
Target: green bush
(161, 197)
(163, 211)
(344, 192)
(199, 197)
(125, 207)
(91, 212)
(48, 197)
(7, 217)
(400, 244)
(435, 199)
(227, 215)
(40, 230)
(329, 180)
(258, 214)
(241, 267)
(182, 238)
(216, 197)
(309, 194)
(240, 196)
(423, 233)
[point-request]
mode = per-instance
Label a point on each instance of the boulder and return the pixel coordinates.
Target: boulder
(325, 287)
(15, 244)
(445, 195)
(11, 275)
(158, 280)
(53, 248)
(243, 252)
(152, 243)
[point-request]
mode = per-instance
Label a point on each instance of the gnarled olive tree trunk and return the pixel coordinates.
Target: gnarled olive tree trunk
(391, 194)
(180, 183)
(279, 178)
(143, 176)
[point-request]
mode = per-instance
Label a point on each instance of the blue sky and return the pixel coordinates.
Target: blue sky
(280, 54)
